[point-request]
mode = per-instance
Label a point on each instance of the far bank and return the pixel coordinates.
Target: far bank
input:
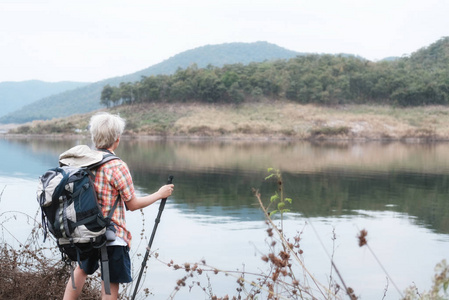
(263, 120)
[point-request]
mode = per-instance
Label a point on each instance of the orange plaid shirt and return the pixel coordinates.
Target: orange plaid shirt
(111, 179)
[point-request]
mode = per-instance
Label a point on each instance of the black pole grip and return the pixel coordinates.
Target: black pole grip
(161, 207)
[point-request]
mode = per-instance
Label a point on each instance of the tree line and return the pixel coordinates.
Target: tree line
(419, 79)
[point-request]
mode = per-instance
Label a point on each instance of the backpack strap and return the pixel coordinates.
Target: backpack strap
(111, 212)
(72, 274)
(103, 250)
(107, 157)
(105, 269)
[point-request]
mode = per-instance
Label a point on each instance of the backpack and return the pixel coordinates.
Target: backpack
(70, 211)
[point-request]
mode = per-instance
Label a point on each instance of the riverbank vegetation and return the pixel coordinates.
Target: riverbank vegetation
(265, 120)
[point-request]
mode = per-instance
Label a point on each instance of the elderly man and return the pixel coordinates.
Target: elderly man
(113, 179)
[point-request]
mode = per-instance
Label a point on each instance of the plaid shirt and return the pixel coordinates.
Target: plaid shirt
(110, 179)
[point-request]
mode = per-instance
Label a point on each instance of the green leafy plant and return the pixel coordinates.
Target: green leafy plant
(278, 198)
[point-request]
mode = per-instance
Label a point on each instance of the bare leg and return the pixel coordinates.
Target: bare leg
(114, 291)
(79, 277)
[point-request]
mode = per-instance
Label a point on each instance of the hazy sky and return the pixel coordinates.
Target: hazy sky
(91, 40)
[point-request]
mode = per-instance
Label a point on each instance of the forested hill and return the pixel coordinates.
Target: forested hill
(14, 95)
(87, 98)
(225, 74)
(421, 79)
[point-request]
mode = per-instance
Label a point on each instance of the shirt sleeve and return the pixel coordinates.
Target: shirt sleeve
(122, 181)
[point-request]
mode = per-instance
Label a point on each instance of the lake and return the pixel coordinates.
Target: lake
(397, 192)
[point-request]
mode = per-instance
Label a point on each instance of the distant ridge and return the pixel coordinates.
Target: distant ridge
(86, 98)
(14, 95)
(219, 55)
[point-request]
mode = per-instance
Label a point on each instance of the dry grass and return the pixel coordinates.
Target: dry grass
(30, 271)
(264, 119)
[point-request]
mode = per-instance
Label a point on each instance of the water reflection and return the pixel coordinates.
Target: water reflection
(396, 191)
(323, 179)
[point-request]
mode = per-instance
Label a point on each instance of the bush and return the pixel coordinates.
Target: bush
(329, 131)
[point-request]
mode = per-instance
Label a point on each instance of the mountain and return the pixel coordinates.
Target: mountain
(15, 95)
(434, 55)
(87, 98)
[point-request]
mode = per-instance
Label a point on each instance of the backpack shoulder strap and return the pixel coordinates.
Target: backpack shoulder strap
(106, 157)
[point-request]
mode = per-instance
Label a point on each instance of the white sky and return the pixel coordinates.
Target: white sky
(91, 40)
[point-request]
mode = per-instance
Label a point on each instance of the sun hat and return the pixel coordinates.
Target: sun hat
(80, 156)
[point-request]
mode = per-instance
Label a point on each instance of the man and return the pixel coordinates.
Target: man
(113, 179)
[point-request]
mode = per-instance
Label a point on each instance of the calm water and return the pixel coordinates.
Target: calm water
(397, 192)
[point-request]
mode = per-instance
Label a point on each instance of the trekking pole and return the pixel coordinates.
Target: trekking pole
(156, 222)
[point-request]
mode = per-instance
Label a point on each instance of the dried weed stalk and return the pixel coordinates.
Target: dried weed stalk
(30, 270)
(283, 275)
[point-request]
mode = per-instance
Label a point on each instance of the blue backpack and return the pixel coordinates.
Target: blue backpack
(70, 211)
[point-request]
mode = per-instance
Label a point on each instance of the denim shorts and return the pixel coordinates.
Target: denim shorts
(119, 264)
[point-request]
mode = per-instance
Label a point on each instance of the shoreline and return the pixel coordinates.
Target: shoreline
(257, 121)
(236, 138)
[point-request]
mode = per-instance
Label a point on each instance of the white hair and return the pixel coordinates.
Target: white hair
(105, 129)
